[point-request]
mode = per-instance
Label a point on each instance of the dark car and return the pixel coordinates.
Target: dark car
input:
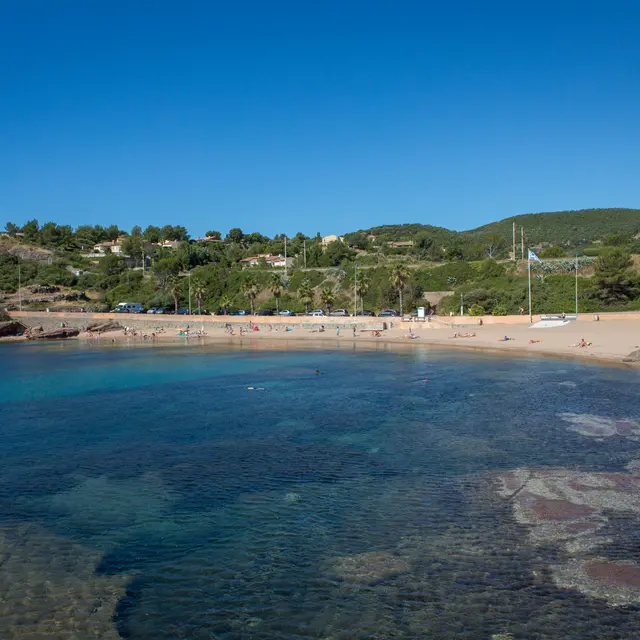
(265, 312)
(199, 312)
(366, 312)
(388, 313)
(239, 312)
(183, 312)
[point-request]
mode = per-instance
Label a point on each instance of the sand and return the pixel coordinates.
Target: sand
(610, 341)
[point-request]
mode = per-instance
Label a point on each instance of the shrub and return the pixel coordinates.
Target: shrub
(500, 310)
(476, 310)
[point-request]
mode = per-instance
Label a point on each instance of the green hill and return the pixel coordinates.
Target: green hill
(566, 227)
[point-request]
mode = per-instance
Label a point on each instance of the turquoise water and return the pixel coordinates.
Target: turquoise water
(150, 494)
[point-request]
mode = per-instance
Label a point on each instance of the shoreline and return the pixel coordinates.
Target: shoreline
(294, 342)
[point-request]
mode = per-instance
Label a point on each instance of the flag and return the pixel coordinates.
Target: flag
(533, 256)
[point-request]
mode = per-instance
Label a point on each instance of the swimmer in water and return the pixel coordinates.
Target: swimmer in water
(317, 372)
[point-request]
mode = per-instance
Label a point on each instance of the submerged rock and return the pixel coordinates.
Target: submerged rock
(54, 334)
(601, 426)
(369, 568)
(634, 356)
(616, 582)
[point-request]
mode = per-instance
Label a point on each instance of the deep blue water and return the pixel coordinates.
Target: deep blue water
(223, 512)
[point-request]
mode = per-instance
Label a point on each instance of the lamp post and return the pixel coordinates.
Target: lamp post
(461, 304)
(576, 286)
(355, 291)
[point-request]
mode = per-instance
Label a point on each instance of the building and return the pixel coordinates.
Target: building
(208, 239)
(110, 246)
(400, 243)
(269, 261)
(327, 240)
(167, 244)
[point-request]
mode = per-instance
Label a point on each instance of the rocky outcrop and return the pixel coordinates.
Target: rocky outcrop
(634, 356)
(55, 334)
(101, 327)
(11, 328)
(368, 568)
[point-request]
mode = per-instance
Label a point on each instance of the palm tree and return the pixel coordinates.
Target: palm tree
(251, 290)
(199, 290)
(327, 298)
(306, 294)
(362, 287)
(398, 278)
(225, 303)
(276, 286)
(174, 289)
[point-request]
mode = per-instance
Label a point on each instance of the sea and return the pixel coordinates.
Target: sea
(163, 492)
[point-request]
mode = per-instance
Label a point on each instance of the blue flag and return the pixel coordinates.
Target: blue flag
(533, 256)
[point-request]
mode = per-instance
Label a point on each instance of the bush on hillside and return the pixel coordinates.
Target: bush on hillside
(500, 310)
(476, 310)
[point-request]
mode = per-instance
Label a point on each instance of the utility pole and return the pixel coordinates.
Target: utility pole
(522, 240)
(285, 256)
(304, 244)
(514, 242)
(461, 304)
(355, 291)
(576, 286)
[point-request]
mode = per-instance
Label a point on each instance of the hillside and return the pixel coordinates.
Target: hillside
(566, 227)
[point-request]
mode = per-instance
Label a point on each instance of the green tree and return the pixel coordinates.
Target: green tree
(306, 294)
(235, 235)
(174, 289)
(327, 298)
(250, 289)
(276, 287)
(199, 290)
(612, 276)
(363, 284)
(225, 303)
(398, 278)
(553, 252)
(213, 234)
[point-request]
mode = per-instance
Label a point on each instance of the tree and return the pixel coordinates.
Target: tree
(494, 244)
(213, 234)
(225, 303)
(398, 278)
(30, 230)
(553, 252)
(251, 290)
(327, 298)
(199, 291)
(363, 284)
(306, 294)
(235, 235)
(276, 286)
(612, 276)
(12, 228)
(174, 289)
(151, 234)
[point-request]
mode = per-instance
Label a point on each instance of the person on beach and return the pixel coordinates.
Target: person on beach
(505, 339)
(338, 332)
(354, 330)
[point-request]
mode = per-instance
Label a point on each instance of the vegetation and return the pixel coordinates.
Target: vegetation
(397, 264)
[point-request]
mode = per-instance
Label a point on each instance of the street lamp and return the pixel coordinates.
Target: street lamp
(355, 290)
(461, 304)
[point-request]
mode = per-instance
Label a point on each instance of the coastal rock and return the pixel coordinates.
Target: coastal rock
(11, 328)
(369, 568)
(101, 327)
(54, 334)
(634, 356)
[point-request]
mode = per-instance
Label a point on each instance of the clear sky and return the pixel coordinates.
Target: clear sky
(316, 115)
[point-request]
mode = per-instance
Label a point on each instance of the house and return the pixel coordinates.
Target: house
(327, 240)
(110, 246)
(167, 244)
(400, 243)
(208, 239)
(269, 260)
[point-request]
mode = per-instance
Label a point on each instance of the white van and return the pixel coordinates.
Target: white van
(129, 307)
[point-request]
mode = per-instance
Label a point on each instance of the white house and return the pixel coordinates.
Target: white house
(327, 240)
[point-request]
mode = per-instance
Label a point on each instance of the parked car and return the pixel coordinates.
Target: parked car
(265, 312)
(183, 312)
(317, 313)
(157, 310)
(388, 313)
(343, 313)
(286, 312)
(129, 307)
(366, 312)
(240, 312)
(199, 312)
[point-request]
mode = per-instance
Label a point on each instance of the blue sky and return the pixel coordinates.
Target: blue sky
(315, 115)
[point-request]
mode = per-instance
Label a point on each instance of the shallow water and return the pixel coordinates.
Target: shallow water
(149, 494)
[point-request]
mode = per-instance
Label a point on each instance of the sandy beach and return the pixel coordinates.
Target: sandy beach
(608, 342)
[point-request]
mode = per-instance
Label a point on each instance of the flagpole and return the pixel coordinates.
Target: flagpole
(529, 272)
